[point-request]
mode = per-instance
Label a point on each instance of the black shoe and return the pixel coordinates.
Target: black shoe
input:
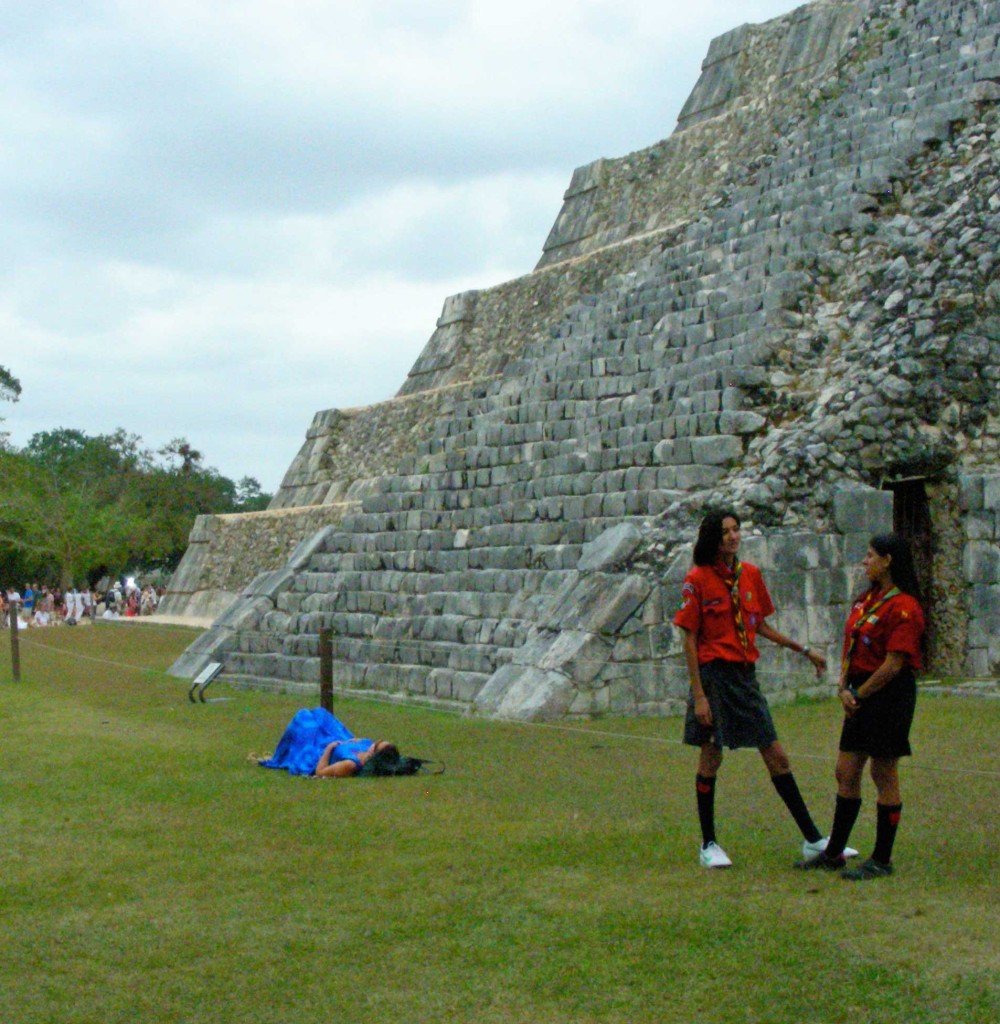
(870, 869)
(822, 863)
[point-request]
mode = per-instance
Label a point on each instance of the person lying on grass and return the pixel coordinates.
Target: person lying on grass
(346, 757)
(315, 743)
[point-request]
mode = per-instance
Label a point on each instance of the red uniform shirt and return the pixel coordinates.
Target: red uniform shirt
(896, 627)
(707, 611)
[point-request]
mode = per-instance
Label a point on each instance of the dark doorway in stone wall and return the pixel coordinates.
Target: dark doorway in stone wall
(911, 517)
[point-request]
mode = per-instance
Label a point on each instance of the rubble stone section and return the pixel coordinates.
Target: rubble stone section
(220, 547)
(726, 127)
(822, 320)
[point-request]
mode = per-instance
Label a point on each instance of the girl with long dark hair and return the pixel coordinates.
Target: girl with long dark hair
(724, 607)
(878, 691)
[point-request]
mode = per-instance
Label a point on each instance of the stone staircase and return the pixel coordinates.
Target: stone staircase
(642, 396)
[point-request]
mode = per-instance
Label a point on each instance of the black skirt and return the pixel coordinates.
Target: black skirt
(881, 726)
(740, 715)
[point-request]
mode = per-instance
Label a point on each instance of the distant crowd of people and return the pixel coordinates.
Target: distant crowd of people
(48, 606)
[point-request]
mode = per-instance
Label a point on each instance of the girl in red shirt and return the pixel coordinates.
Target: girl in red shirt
(878, 691)
(724, 607)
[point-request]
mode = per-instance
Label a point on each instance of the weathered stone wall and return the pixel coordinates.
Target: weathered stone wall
(751, 78)
(478, 334)
(604, 644)
(826, 324)
(980, 501)
(634, 205)
(345, 449)
(616, 214)
(226, 552)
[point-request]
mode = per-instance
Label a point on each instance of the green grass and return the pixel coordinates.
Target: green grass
(151, 872)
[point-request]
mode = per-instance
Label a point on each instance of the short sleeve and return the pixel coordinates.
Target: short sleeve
(689, 613)
(906, 632)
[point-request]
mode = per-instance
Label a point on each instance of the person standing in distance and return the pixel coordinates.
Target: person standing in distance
(878, 691)
(724, 607)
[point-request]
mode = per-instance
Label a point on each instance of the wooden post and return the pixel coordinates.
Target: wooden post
(15, 651)
(326, 669)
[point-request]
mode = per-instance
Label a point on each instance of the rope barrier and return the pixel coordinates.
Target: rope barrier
(798, 755)
(85, 657)
(554, 726)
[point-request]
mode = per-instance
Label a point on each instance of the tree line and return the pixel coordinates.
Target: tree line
(75, 506)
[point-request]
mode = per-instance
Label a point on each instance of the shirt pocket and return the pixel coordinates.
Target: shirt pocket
(715, 619)
(751, 608)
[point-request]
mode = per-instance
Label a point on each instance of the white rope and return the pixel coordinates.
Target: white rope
(85, 657)
(578, 730)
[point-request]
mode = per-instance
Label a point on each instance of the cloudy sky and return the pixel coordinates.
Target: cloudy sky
(224, 216)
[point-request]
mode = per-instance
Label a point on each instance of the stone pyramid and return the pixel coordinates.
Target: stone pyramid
(790, 305)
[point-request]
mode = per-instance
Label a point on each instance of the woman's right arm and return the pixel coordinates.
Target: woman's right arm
(702, 709)
(894, 663)
(337, 770)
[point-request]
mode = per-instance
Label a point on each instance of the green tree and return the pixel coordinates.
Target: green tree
(10, 386)
(250, 497)
(10, 391)
(181, 447)
(172, 498)
(72, 503)
(66, 521)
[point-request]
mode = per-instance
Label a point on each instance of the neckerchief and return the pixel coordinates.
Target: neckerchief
(867, 615)
(731, 577)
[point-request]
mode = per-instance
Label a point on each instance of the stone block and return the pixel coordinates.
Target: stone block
(981, 525)
(822, 587)
(970, 492)
(977, 663)
(597, 603)
(525, 693)
(991, 493)
(693, 478)
(855, 547)
(673, 452)
(796, 551)
(610, 548)
(633, 648)
(755, 549)
(981, 562)
(984, 607)
(864, 510)
(741, 422)
(679, 566)
(787, 589)
(576, 654)
(718, 450)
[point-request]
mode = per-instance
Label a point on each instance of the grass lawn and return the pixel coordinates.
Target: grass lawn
(152, 872)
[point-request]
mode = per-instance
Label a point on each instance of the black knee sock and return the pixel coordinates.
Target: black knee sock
(788, 790)
(845, 814)
(885, 831)
(705, 790)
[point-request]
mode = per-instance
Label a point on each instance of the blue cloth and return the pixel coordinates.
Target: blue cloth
(305, 739)
(350, 750)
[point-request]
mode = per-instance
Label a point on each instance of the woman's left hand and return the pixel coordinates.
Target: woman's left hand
(849, 701)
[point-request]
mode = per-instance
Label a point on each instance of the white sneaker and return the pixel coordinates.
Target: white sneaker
(810, 851)
(713, 856)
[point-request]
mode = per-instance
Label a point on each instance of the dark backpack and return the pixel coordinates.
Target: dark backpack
(391, 762)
